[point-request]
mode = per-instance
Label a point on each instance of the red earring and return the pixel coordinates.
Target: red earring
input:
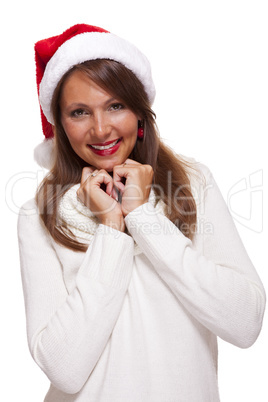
(140, 130)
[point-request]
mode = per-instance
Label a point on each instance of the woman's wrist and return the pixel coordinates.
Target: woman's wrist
(118, 224)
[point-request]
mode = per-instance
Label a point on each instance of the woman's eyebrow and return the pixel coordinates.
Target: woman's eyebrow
(76, 104)
(85, 105)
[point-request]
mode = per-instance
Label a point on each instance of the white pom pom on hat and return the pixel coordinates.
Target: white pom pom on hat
(44, 153)
(56, 55)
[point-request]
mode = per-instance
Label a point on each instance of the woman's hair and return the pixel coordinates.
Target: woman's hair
(171, 174)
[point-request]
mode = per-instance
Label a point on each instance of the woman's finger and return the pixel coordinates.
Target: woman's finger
(99, 177)
(119, 173)
(86, 172)
(130, 162)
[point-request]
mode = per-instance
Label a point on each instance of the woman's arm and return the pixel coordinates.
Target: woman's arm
(67, 333)
(218, 286)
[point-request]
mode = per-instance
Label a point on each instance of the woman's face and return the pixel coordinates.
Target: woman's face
(101, 129)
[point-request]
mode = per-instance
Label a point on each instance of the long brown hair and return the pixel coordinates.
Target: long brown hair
(171, 173)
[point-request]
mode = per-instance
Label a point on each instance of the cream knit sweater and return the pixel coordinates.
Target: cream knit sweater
(136, 317)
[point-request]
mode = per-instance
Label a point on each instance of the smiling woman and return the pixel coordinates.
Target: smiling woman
(101, 131)
(118, 272)
(96, 102)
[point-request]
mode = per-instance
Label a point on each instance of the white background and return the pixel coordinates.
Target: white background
(210, 68)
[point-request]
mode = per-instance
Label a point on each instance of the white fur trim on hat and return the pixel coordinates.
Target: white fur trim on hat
(91, 46)
(44, 153)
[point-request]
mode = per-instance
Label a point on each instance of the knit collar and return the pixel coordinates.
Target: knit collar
(81, 221)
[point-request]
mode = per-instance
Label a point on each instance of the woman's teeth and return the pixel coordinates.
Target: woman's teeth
(101, 147)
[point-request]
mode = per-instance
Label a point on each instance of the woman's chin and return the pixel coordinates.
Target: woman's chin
(108, 165)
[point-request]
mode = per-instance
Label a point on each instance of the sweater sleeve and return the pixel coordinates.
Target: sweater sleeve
(67, 333)
(216, 281)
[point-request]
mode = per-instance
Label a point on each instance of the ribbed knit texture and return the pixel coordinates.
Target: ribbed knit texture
(117, 325)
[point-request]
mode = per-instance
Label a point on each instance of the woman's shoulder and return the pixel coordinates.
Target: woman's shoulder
(28, 206)
(29, 214)
(197, 171)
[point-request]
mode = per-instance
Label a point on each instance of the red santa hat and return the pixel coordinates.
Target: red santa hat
(56, 55)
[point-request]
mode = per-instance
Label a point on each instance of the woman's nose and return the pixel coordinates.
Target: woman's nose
(101, 127)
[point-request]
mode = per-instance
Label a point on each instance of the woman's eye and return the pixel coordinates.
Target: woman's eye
(116, 106)
(78, 113)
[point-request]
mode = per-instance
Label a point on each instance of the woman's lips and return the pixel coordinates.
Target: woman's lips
(106, 148)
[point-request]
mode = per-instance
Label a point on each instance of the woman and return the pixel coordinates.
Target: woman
(131, 264)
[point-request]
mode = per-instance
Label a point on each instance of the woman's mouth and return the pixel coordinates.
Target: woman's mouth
(106, 148)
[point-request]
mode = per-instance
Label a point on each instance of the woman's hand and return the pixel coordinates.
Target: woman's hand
(102, 203)
(136, 185)
(132, 179)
